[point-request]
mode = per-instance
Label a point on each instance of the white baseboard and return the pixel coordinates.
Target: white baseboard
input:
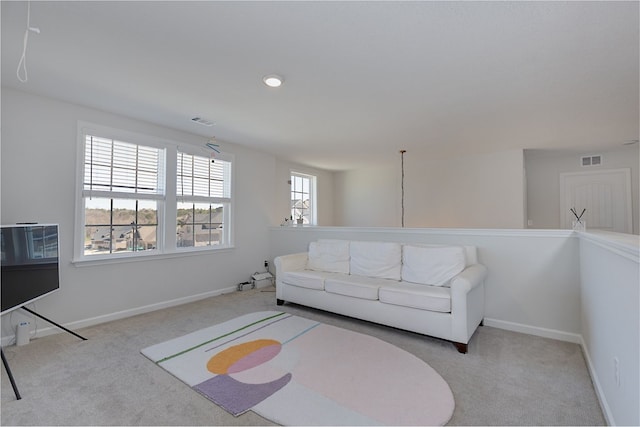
(50, 330)
(604, 405)
(534, 330)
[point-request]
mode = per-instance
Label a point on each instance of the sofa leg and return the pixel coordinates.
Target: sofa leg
(279, 301)
(462, 348)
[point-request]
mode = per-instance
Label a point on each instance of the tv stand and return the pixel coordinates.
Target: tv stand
(8, 369)
(4, 359)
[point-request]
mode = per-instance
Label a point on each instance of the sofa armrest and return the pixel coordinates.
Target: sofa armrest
(291, 262)
(284, 263)
(467, 302)
(469, 278)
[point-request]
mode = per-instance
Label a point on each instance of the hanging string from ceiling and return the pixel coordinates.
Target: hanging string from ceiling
(402, 184)
(21, 72)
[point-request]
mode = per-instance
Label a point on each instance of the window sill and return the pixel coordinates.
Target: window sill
(119, 259)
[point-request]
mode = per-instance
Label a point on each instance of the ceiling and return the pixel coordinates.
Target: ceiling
(363, 80)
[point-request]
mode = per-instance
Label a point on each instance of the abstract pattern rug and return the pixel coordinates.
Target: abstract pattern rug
(295, 371)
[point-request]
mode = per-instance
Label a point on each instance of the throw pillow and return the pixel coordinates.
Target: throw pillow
(434, 265)
(376, 259)
(329, 255)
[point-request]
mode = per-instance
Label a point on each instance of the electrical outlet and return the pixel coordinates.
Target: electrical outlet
(266, 264)
(616, 371)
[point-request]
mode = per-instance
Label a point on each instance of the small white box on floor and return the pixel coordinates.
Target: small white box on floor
(261, 280)
(22, 333)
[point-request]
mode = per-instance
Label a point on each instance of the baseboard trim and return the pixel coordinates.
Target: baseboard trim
(534, 330)
(79, 324)
(604, 405)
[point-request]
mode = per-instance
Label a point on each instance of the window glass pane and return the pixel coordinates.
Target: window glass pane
(124, 212)
(147, 237)
(97, 211)
(199, 224)
(216, 225)
(97, 240)
(184, 230)
(301, 198)
(147, 212)
(119, 225)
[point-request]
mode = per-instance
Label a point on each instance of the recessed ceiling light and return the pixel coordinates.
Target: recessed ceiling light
(273, 80)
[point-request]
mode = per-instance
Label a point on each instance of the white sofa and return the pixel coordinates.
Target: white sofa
(433, 290)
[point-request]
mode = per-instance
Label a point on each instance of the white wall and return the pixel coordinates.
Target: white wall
(38, 173)
(480, 191)
(543, 168)
(610, 313)
(324, 183)
(533, 284)
(368, 197)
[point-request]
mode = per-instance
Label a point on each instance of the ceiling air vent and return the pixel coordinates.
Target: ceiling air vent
(591, 160)
(203, 121)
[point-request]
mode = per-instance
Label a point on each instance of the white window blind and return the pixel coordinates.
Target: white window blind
(201, 177)
(117, 166)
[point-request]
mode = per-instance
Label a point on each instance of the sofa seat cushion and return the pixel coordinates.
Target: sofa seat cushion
(307, 278)
(355, 286)
(432, 298)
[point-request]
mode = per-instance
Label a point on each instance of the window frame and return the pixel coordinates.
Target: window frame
(313, 209)
(166, 245)
(226, 202)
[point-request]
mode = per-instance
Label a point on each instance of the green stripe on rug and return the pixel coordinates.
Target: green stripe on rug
(217, 338)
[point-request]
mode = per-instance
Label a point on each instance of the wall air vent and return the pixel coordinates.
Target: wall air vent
(202, 121)
(591, 160)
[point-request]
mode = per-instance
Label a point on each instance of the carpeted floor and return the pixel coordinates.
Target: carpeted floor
(506, 378)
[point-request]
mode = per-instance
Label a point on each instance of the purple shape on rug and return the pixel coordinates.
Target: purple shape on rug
(257, 357)
(237, 397)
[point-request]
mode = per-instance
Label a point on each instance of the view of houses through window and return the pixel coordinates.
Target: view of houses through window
(203, 200)
(122, 187)
(114, 225)
(126, 208)
(302, 198)
(199, 224)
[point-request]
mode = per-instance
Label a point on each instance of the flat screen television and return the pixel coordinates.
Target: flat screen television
(29, 263)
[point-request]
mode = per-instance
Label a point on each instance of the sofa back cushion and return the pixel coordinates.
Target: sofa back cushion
(376, 259)
(432, 265)
(329, 255)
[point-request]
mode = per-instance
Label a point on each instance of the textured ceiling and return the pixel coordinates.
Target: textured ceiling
(362, 79)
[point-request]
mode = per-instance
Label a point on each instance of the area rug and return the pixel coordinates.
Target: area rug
(295, 371)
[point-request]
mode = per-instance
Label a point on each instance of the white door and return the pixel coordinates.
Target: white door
(605, 195)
